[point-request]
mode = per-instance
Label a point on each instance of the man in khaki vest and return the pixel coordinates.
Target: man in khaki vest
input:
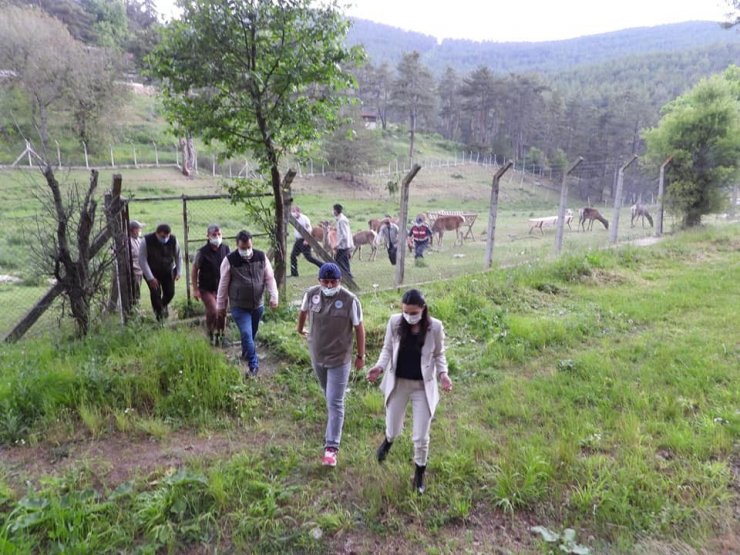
(333, 313)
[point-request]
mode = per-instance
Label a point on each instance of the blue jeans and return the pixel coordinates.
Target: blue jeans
(419, 247)
(248, 321)
(333, 383)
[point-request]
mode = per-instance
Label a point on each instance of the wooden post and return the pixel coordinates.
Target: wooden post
(563, 204)
(156, 154)
(614, 230)
(121, 267)
(184, 246)
(403, 217)
(59, 156)
(661, 192)
(112, 161)
(87, 162)
(493, 211)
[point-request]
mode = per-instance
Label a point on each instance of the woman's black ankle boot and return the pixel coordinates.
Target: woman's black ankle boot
(382, 451)
(419, 479)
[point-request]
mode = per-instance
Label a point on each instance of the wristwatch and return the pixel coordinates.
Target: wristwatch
(360, 356)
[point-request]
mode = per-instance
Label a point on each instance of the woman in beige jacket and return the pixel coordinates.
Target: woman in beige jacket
(412, 361)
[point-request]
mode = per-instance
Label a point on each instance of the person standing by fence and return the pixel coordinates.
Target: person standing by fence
(161, 264)
(245, 274)
(204, 277)
(332, 313)
(301, 246)
(412, 360)
(135, 240)
(345, 244)
(420, 232)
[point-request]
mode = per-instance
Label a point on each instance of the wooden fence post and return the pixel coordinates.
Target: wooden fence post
(403, 216)
(122, 277)
(493, 211)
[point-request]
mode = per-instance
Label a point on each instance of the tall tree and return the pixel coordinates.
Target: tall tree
(701, 130)
(479, 102)
(413, 93)
(40, 51)
(260, 76)
(448, 90)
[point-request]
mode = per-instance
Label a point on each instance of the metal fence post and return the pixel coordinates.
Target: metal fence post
(186, 277)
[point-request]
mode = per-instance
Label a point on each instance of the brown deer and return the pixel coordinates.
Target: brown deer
(330, 237)
(448, 223)
(366, 237)
(640, 211)
(590, 214)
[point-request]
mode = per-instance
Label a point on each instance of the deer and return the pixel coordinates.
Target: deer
(590, 214)
(640, 211)
(367, 237)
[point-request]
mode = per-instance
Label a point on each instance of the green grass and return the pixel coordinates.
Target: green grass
(597, 392)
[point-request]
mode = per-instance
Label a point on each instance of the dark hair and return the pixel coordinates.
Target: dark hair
(164, 228)
(243, 235)
(414, 297)
(338, 208)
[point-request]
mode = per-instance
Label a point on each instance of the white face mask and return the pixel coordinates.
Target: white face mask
(412, 319)
(215, 241)
(245, 253)
(330, 291)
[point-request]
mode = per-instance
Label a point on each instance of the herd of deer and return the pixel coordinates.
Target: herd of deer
(590, 215)
(326, 234)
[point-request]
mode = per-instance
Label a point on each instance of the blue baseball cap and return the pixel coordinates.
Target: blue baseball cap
(330, 271)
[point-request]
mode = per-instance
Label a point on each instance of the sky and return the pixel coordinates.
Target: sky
(524, 20)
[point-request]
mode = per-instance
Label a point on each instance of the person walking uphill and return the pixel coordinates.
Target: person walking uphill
(333, 313)
(204, 277)
(135, 240)
(161, 264)
(301, 246)
(412, 360)
(345, 244)
(245, 274)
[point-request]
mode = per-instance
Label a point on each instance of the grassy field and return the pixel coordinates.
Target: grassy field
(455, 188)
(596, 393)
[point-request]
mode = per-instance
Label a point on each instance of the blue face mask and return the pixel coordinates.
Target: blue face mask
(163, 240)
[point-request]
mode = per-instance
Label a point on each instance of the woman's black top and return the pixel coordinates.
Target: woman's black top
(408, 365)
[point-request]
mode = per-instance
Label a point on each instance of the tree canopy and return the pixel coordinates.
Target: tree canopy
(262, 77)
(701, 130)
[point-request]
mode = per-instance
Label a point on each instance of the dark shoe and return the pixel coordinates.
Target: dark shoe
(254, 371)
(419, 479)
(382, 451)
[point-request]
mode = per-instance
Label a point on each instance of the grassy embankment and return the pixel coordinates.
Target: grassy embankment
(598, 392)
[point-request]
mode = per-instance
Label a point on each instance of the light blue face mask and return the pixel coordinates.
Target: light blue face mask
(163, 240)
(330, 291)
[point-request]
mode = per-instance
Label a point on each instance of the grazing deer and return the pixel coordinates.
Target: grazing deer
(590, 214)
(640, 211)
(366, 237)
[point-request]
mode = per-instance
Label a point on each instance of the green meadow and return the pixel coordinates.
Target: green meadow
(596, 395)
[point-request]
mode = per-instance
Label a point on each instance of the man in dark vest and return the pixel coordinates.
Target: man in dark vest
(333, 314)
(245, 274)
(161, 263)
(204, 278)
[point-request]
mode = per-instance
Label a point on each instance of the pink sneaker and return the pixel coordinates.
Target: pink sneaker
(330, 457)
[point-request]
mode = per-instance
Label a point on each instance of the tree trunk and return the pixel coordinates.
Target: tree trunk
(279, 239)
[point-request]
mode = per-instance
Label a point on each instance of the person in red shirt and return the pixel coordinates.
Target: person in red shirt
(421, 233)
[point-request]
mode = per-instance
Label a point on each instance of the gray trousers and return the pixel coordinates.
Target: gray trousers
(334, 385)
(395, 410)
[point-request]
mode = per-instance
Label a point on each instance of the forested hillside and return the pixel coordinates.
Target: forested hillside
(546, 103)
(386, 43)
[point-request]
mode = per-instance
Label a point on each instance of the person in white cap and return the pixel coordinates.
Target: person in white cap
(134, 238)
